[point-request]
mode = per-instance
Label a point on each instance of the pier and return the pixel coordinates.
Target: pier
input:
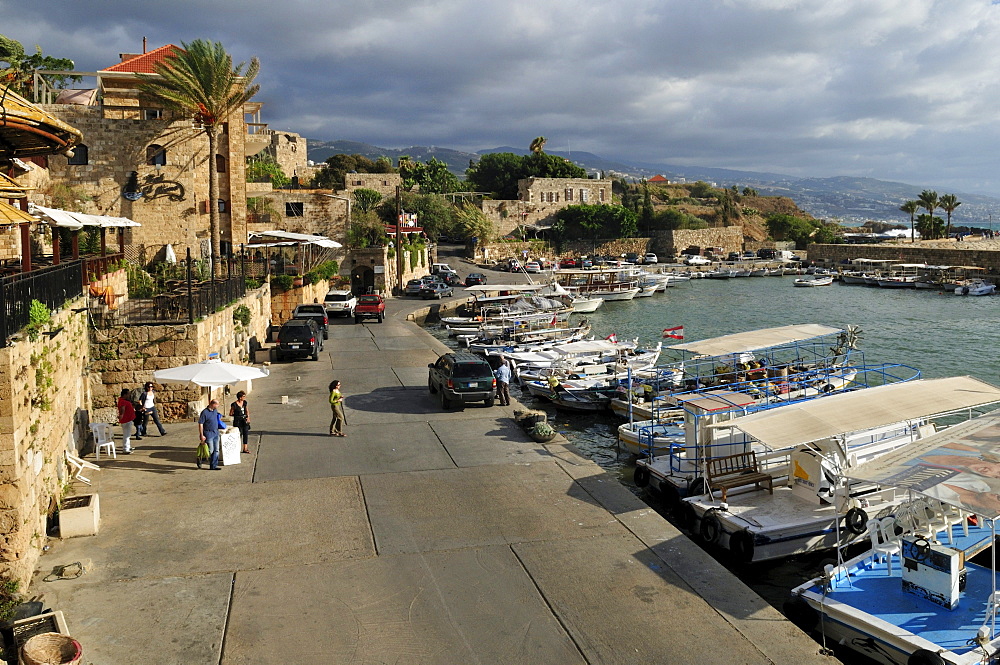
(424, 536)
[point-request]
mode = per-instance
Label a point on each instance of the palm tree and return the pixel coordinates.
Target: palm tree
(199, 81)
(928, 200)
(538, 145)
(948, 203)
(911, 207)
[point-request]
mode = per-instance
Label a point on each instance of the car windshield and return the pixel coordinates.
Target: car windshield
(309, 309)
(369, 300)
(472, 370)
(295, 332)
(338, 297)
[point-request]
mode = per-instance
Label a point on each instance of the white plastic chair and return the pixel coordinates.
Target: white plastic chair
(103, 438)
(77, 465)
(955, 516)
(931, 515)
(884, 541)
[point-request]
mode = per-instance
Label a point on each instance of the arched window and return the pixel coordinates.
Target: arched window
(81, 156)
(222, 205)
(156, 155)
(220, 164)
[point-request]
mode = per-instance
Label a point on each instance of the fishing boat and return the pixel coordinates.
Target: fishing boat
(805, 452)
(586, 400)
(647, 290)
(920, 595)
(578, 357)
(516, 339)
(823, 280)
(585, 305)
(618, 283)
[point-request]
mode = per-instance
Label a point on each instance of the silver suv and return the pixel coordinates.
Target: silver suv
(340, 303)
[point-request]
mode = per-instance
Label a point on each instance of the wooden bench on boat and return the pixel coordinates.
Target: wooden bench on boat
(738, 470)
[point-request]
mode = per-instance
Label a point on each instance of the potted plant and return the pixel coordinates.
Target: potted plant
(542, 432)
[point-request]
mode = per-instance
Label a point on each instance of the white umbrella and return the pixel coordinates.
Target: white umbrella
(169, 255)
(211, 373)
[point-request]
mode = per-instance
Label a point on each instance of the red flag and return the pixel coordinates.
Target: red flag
(612, 338)
(555, 320)
(677, 332)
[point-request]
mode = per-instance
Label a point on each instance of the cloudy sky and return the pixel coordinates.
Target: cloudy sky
(902, 90)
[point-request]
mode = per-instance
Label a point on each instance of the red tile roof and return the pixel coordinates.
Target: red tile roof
(144, 64)
(658, 178)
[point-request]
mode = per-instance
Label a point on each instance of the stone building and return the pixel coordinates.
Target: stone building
(314, 211)
(539, 199)
(383, 183)
(139, 161)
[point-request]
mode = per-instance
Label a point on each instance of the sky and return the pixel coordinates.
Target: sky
(904, 90)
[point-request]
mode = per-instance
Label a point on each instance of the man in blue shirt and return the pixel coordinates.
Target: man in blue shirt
(503, 382)
(209, 423)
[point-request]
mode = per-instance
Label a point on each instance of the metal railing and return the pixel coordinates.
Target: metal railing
(52, 286)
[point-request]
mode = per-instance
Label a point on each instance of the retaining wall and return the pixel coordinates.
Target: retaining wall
(983, 258)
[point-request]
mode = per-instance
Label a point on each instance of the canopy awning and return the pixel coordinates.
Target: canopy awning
(860, 410)
(321, 241)
(485, 288)
(755, 339)
(11, 215)
(960, 466)
(77, 220)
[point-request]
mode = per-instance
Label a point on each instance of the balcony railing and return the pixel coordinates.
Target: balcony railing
(52, 286)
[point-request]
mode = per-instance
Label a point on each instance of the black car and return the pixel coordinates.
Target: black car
(458, 378)
(428, 291)
(452, 279)
(316, 312)
(299, 338)
(475, 278)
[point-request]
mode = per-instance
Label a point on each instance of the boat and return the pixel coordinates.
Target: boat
(585, 305)
(976, 287)
(618, 283)
(920, 594)
(587, 400)
(647, 290)
(824, 280)
(807, 450)
(577, 358)
(524, 339)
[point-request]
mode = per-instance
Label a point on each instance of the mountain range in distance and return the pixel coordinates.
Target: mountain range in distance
(849, 200)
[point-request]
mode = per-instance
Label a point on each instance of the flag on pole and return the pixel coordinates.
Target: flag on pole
(677, 332)
(612, 338)
(555, 320)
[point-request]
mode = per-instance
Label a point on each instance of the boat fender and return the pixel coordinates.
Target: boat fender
(856, 520)
(711, 527)
(828, 388)
(741, 546)
(925, 657)
(800, 613)
(697, 487)
(641, 476)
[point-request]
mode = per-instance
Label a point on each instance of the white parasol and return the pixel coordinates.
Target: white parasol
(169, 255)
(211, 373)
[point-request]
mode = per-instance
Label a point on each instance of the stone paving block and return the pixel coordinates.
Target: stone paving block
(488, 440)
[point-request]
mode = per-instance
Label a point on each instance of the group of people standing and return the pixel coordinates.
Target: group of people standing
(210, 428)
(134, 412)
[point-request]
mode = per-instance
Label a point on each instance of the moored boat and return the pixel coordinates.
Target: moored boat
(823, 280)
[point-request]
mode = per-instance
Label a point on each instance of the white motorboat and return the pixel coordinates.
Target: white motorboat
(807, 450)
(576, 358)
(823, 280)
(976, 287)
(585, 305)
(647, 290)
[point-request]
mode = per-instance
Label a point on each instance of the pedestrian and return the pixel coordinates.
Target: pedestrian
(209, 425)
(503, 382)
(147, 406)
(240, 413)
(337, 407)
(126, 416)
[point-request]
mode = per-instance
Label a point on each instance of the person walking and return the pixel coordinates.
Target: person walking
(126, 416)
(337, 406)
(502, 375)
(240, 413)
(147, 403)
(209, 424)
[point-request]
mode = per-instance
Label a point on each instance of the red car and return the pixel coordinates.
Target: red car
(567, 263)
(370, 307)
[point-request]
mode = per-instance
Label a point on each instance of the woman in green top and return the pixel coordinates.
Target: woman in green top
(337, 406)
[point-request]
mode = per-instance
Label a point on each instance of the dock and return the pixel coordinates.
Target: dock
(424, 536)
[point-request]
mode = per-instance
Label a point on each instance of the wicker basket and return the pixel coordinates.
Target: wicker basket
(51, 649)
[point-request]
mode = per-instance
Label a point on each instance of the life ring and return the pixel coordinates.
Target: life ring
(800, 613)
(698, 486)
(711, 527)
(925, 657)
(641, 476)
(741, 545)
(856, 521)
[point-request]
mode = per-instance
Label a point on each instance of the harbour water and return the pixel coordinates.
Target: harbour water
(939, 333)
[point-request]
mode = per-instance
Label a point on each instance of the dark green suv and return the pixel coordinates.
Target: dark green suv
(458, 378)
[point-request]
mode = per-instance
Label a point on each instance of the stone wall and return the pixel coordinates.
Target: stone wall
(283, 303)
(384, 183)
(491, 253)
(320, 213)
(672, 243)
(613, 247)
(983, 258)
(376, 264)
(44, 395)
(127, 357)
(289, 151)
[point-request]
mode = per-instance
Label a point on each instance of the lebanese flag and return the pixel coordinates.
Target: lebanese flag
(613, 338)
(677, 332)
(555, 320)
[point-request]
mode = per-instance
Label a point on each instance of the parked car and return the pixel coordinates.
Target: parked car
(631, 257)
(458, 378)
(586, 263)
(370, 307)
(440, 267)
(697, 261)
(532, 266)
(428, 291)
(567, 263)
(767, 253)
(413, 287)
(650, 258)
(475, 278)
(749, 256)
(339, 303)
(316, 312)
(733, 256)
(452, 279)
(299, 338)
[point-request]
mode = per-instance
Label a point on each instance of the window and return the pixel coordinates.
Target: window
(294, 209)
(222, 205)
(548, 197)
(220, 164)
(601, 192)
(569, 193)
(156, 155)
(583, 196)
(81, 156)
(152, 114)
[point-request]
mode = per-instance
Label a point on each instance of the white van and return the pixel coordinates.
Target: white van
(440, 267)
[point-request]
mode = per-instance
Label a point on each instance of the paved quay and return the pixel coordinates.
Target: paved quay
(423, 537)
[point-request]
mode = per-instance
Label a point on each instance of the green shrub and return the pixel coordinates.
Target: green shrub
(241, 315)
(39, 316)
(281, 282)
(140, 282)
(253, 283)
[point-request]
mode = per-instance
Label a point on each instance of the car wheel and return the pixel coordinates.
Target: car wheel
(326, 334)
(316, 354)
(357, 320)
(381, 318)
(430, 386)
(490, 402)
(445, 402)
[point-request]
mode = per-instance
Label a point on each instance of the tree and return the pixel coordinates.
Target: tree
(366, 200)
(910, 208)
(431, 178)
(538, 145)
(200, 81)
(930, 227)
(265, 169)
(646, 213)
(609, 221)
(18, 75)
(336, 168)
(948, 203)
(475, 224)
(498, 172)
(928, 200)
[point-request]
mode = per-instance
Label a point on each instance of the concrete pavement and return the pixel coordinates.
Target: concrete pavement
(422, 537)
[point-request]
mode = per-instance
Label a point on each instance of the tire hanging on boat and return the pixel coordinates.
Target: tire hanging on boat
(741, 545)
(641, 476)
(698, 486)
(711, 527)
(925, 657)
(800, 613)
(856, 521)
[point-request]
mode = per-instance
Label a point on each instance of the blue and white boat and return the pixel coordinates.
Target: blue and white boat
(918, 596)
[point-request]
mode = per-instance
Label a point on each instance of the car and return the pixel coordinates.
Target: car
(697, 261)
(339, 303)
(299, 338)
(413, 287)
(440, 267)
(586, 263)
(475, 278)
(650, 258)
(428, 291)
(567, 263)
(459, 378)
(749, 256)
(532, 266)
(452, 279)
(317, 313)
(767, 253)
(631, 257)
(370, 307)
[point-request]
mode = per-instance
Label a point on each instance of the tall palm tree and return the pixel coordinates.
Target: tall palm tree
(928, 200)
(199, 81)
(948, 203)
(910, 208)
(538, 145)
